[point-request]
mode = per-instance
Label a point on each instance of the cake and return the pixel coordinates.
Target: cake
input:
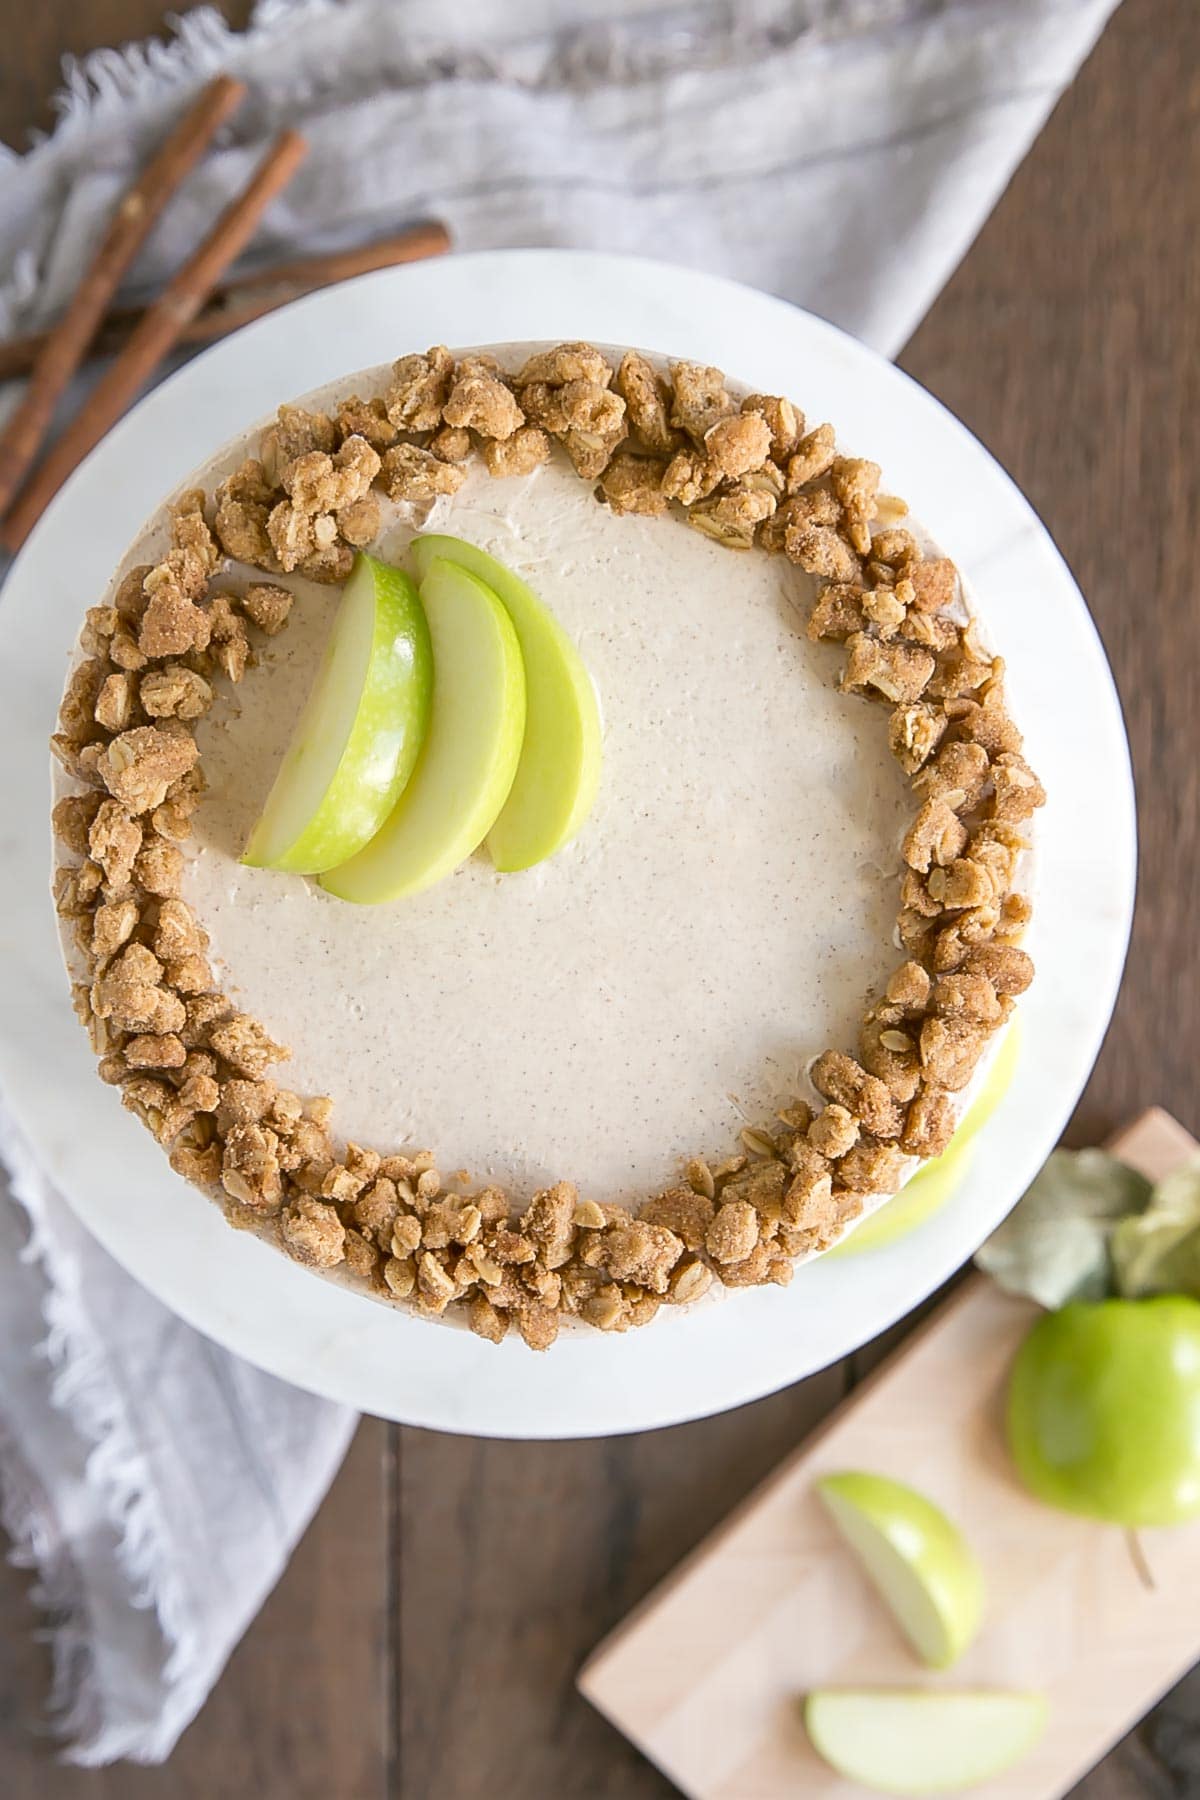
(695, 1046)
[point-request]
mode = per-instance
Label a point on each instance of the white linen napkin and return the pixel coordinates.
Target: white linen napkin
(842, 153)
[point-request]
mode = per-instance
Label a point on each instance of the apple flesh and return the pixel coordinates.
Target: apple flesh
(917, 1559)
(936, 1181)
(559, 771)
(996, 1084)
(1104, 1410)
(466, 768)
(360, 732)
(922, 1195)
(899, 1741)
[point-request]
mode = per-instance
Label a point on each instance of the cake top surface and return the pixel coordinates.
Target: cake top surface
(747, 999)
(661, 981)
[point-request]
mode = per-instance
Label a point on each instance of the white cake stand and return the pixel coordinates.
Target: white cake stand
(249, 1297)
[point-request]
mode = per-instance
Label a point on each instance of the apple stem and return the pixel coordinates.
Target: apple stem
(1137, 1557)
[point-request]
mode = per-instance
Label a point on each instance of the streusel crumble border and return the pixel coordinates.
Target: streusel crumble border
(195, 1070)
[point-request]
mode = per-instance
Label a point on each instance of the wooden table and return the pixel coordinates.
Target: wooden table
(423, 1642)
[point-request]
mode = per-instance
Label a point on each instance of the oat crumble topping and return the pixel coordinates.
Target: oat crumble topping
(196, 1071)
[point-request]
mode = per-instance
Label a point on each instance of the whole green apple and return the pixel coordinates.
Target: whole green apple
(1104, 1410)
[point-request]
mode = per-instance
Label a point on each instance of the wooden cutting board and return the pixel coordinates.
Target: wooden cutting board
(706, 1675)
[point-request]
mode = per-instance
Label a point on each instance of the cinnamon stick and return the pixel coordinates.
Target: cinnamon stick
(238, 302)
(64, 348)
(156, 333)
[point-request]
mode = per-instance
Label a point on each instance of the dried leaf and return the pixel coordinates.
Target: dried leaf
(1054, 1245)
(1158, 1252)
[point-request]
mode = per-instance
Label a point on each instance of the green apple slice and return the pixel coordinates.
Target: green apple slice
(919, 1562)
(911, 1742)
(559, 771)
(935, 1182)
(996, 1084)
(922, 1195)
(466, 768)
(358, 737)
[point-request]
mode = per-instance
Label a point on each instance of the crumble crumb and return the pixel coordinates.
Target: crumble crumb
(700, 399)
(937, 835)
(736, 445)
(267, 605)
(294, 433)
(813, 457)
(893, 671)
(834, 1131)
(785, 423)
(647, 398)
(419, 390)
(687, 1215)
(839, 1078)
(410, 473)
(519, 454)
(173, 692)
(139, 766)
(246, 1046)
(732, 518)
(365, 419)
(311, 1232)
(634, 484)
(689, 477)
(566, 362)
(733, 1233)
(481, 401)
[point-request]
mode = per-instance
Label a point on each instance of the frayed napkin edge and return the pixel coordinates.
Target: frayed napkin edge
(79, 1388)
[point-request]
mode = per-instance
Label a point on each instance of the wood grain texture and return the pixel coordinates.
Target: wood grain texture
(708, 1680)
(515, 1558)
(1068, 341)
(303, 1711)
(705, 1677)
(36, 38)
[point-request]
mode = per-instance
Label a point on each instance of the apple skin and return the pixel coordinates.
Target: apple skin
(360, 732)
(559, 772)
(1104, 1410)
(470, 754)
(918, 1560)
